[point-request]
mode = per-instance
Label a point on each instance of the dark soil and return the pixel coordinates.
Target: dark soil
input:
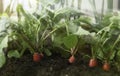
(51, 66)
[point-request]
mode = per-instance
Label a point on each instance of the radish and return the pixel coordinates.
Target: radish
(92, 62)
(106, 66)
(36, 57)
(71, 59)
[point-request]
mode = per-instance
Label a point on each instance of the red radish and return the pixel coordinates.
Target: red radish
(71, 59)
(36, 57)
(106, 66)
(92, 62)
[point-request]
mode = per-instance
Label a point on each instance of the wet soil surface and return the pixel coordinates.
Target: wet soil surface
(51, 66)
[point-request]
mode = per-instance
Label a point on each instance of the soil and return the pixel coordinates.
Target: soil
(51, 66)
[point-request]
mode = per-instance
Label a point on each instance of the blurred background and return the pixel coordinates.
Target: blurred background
(85, 5)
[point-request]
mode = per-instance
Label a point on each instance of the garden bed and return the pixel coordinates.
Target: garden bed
(68, 42)
(51, 66)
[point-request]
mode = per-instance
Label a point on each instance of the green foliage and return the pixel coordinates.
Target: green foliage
(2, 59)
(3, 44)
(118, 55)
(48, 52)
(50, 30)
(81, 31)
(14, 53)
(70, 41)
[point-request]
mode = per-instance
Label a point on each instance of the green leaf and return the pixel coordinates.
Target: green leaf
(118, 56)
(4, 43)
(64, 13)
(118, 53)
(67, 11)
(2, 58)
(112, 55)
(13, 53)
(72, 27)
(48, 52)
(58, 40)
(2, 55)
(86, 20)
(81, 31)
(70, 41)
(4, 23)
